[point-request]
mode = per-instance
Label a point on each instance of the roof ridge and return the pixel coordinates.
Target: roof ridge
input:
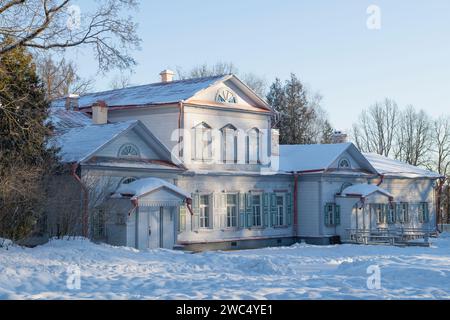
(151, 84)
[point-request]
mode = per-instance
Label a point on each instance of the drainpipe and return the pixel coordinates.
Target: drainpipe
(135, 203)
(189, 206)
(295, 204)
(85, 199)
(381, 180)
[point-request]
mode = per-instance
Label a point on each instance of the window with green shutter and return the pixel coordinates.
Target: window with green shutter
(273, 208)
(265, 209)
(332, 214)
(249, 210)
(289, 209)
(232, 210)
(337, 215)
(329, 214)
(424, 216)
(242, 207)
(195, 222)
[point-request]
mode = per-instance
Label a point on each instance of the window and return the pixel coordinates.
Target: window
(380, 212)
(391, 214)
(231, 211)
(225, 95)
(253, 146)
(332, 215)
(182, 220)
(229, 144)
(129, 151)
(99, 224)
(257, 213)
(128, 180)
(402, 210)
(344, 164)
(280, 215)
(424, 216)
(203, 142)
(204, 212)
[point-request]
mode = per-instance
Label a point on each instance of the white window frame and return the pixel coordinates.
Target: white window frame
(424, 212)
(344, 167)
(129, 145)
(202, 142)
(202, 216)
(235, 206)
(280, 220)
(260, 206)
(229, 144)
(254, 146)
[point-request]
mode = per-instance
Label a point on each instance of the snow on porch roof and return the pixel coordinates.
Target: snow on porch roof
(391, 167)
(156, 93)
(310, 157)
(145, 186)
(363, 190)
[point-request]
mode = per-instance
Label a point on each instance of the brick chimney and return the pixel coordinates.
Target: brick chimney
(100, 113)
(339, 137)
(167, 75)
(72, 102)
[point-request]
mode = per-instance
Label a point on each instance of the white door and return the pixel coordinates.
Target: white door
(154, 228)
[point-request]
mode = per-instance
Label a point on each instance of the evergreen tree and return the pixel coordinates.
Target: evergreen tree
(296, 116)
(24, 159)
(327, 133)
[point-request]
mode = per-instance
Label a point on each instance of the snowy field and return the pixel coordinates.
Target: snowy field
(297, 272)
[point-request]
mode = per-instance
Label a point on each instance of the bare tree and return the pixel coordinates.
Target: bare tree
(205, 70)
(414, 137)
(59, 25)
(61, 78)
(441, 145)
(120, 81)
(253, 81)
(375, 131)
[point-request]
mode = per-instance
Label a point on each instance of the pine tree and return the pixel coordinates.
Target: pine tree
(24, 159)
(296, 118)
(327, 133)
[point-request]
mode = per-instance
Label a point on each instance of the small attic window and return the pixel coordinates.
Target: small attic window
(344, 164)
(128, 180)
(225, 95)
(129, 151)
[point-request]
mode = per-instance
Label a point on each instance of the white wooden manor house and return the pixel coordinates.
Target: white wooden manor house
(196, 164)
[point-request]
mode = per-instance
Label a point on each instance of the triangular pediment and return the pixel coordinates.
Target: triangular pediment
(230, 93)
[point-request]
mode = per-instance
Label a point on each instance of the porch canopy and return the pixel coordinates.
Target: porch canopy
(364, 190)
(153, 192)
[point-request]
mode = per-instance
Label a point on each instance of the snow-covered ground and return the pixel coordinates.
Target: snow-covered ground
(297, 272)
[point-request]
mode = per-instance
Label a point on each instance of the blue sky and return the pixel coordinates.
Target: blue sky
(326, 43)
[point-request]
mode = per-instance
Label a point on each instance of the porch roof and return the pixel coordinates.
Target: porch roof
(364, 190)
(142, 187)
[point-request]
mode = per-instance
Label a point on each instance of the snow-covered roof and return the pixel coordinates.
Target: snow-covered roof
(156, 93)
(395, 168)
(312, 157)
(145, 186)
(63, 120)
(78, 143)
(363, 190)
